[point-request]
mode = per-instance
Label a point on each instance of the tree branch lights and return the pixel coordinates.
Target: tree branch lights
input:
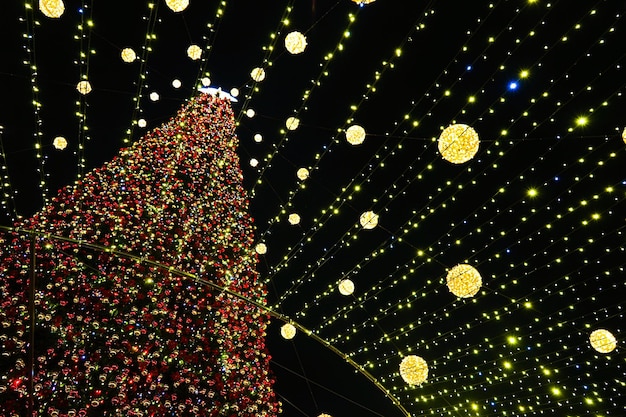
(464, 281)
(115, 336)
(458, 143)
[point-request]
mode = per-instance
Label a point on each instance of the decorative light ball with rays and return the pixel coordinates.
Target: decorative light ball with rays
(295, 42)
(355, 135)
(84, 87)
(194, 52)
(368, 220)
(346, 287)
(258, 74)
(52, 8)
(458, 143)
(59, 143)
(292, 123)
(177, 5)
(603, 341)
(288, 331)
(302, 174)
(128, 55)
(464, 281)
(414, 370)
(261, 248)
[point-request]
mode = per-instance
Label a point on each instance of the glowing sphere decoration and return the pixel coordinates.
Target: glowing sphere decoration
(362, 2)
(154, 96)
(250, 113)
(254, 162)
(414, 370)
(288, 331)
(292, 123)
(142, 123)
(258, 138)
(176, 83)
(59, 143)
(464, 281)
(261, 248)
(206, 81)
(128, 55)
(355, 135)
(84, 87)
(294, 219)
(52, 8)
(302, 174)
(194, 52)
(368, 220)
(624, 135)
(458, 143)
(295, 42)
(177, 5)
(603, 341)
(346, 287)
(324, 415)
(258, 74)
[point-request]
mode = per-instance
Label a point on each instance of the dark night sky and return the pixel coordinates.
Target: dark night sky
(539, 211)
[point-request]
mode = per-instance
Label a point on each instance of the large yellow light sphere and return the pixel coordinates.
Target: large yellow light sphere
(355, 135)
(603, 341)
(59, 143)
(362, 2)
(177, 5)
(261, 248)
(464, 281)
(84, 87)
(368, 220)
(414, 370)
(295, 42)
(128, 55)
(294, 218)
(292, 123)
(302, 174)
(194, 52)
(458, 143)
(624, 135)
(346, 287)
(288, 331)
(52, 8)
(258, 74)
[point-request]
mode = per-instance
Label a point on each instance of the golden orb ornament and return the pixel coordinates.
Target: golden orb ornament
(294, 219)
(346, 287)
(59, 143)
(458, 143)
(194, 52)
(624, 135)
(603, 341)
(176, 83)
(261, 248)
(84, 87)
(288, 331)
(128, 55)
(414, 370)
(355, 135)
(258, 74)
(302, 174)
(295, 42)
(324, 415)
(52, 8)
(142, 123)
(177, 5)
(464, 281)
(292, 123)
(368, 220)
(362, 2)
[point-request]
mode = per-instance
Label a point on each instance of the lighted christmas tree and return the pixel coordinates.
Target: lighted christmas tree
(118, 335)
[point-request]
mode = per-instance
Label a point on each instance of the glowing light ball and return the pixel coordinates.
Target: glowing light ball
(295, 42)
(464, 281)
(624, 135)
(258, 138)
(206, 81)
(603, 341)
(368, 220)
(254, 162)
(288, 331)
(250, 113)
(458, 143)
(355, 135)
(324, 415)
(154, 96)
(302, 174)
(234, 92)
(362, 2)
(128, 55)
(142, 123)
(414, 370)
(292, 123)
(176, 83)
(261, 248)
(194, 52)
(177, 5)
(258, 74)
(346, 287)
(52, 8)
(59, 143)
(294, 219)
(84, 87)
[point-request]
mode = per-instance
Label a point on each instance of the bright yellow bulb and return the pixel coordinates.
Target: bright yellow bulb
(532, 192)
(581, 121)
(524, 74)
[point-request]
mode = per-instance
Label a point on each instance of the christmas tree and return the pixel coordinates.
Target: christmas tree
(128, 335)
